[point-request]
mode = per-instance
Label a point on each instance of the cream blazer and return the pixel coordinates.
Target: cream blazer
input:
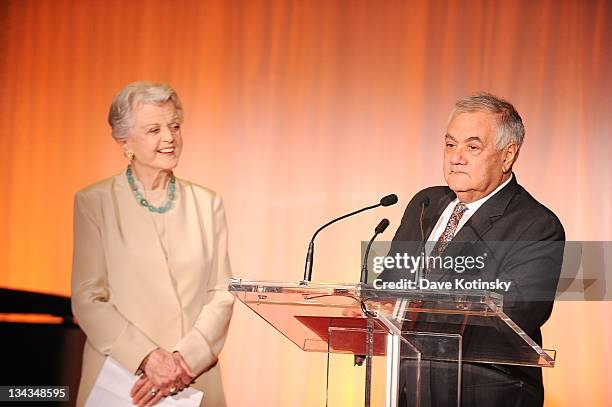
(130, 299)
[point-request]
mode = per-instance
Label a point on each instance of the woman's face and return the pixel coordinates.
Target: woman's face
(155, 138)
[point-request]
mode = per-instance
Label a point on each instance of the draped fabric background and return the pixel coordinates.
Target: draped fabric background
(296, 112)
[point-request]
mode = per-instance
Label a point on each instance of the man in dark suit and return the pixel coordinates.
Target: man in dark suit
(484, 209)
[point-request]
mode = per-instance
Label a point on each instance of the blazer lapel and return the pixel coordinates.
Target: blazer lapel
(481, 222)
(141, 232)
(431, 216)
(187, 246)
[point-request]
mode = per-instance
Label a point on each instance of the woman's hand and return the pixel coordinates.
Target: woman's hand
(146, 392)
(161, 369)
(187, 375)
(162, 376)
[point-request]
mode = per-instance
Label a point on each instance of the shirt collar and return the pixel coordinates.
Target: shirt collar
(472, 206)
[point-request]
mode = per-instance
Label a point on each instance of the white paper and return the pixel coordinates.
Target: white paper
(113, 385)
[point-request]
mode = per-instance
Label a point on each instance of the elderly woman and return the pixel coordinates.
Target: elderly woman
(150, 260)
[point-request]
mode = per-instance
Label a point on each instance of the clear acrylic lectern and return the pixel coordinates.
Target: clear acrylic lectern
(407, 328)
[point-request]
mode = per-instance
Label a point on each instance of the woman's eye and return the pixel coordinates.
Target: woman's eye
(175, 127)
(153, 131)
(450, 145)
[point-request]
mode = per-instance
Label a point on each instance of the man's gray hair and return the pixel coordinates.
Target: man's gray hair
(120, 113)
(510, 127)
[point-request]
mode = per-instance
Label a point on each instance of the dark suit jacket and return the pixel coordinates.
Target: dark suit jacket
(530, 256)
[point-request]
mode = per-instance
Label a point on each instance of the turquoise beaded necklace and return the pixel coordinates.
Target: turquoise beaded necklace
(143, 201)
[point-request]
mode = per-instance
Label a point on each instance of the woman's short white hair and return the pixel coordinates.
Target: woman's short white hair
(510, 127)
(141, 92)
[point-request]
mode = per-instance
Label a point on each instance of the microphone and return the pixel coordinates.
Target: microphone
(382, 226)
(388, 200)
(423, 203)
(384, 201)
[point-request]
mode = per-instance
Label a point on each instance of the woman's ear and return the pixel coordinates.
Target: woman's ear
(122, 143)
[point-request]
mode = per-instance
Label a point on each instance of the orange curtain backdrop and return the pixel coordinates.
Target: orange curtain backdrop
(298, 111)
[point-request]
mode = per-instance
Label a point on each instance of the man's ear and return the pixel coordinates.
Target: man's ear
(509, 157)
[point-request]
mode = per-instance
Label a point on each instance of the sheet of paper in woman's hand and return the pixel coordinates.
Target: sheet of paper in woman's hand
(113, 385)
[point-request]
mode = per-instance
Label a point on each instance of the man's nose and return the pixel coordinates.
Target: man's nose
(457, 156)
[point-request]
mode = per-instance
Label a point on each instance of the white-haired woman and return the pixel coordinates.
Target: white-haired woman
(150, 265)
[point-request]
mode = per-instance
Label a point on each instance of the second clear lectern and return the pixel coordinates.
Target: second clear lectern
(410, 329)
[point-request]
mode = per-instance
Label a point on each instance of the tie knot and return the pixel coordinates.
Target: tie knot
(460, 208)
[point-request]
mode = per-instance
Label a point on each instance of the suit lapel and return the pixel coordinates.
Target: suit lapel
(481, 222)
(431, 216)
